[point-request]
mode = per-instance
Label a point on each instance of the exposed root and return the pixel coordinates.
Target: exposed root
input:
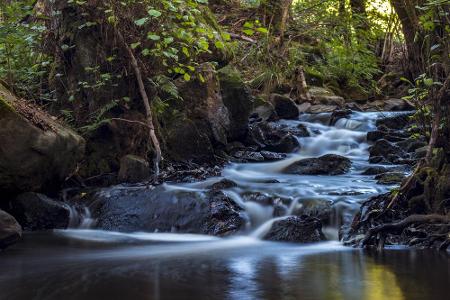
(397, 227)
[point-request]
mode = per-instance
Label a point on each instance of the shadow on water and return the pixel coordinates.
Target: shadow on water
(52, 266)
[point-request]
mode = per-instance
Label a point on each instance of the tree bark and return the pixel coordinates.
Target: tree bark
(406, 11)
(277, 15)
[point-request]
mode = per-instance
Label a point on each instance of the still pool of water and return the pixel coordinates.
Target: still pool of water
(56, 266)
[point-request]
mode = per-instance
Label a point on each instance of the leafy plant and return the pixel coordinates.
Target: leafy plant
(23, 66)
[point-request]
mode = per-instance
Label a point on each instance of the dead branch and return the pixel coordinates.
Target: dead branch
(148, 111)
(242, 37)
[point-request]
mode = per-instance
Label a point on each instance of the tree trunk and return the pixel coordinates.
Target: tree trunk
(277, 15)
(406, 11)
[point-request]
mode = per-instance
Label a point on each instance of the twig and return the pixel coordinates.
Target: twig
(131, 121)
(243, 38)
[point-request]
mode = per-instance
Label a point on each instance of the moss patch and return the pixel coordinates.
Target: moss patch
(4, 103)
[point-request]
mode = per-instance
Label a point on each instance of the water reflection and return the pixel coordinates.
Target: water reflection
(227, 269)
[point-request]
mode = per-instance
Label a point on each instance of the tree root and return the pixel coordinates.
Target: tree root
(381, 230)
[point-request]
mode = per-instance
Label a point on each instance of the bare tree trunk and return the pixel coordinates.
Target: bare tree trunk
(146, 102)
(277, 15)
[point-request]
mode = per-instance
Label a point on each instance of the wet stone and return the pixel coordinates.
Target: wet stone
(249, 155)
(272, 156)
(302, 229)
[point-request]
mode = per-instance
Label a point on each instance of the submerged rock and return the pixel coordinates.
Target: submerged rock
(302, 229)
(35, 151)
(329, 164)
(10, 230)
(165, 210)
(285, 106)
(38, 212)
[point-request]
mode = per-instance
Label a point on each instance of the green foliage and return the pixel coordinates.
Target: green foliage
(23, 66)
(176, 33)
(418, 94)
(346, 55)
(350, 66)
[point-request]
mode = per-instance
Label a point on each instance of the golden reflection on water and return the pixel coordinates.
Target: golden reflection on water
(381, 283)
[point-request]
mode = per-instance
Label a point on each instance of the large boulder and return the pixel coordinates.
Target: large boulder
(166, 210)
(314, 207)
(133, 169)
(398, 121)
(238, 99)
(284, 106)
(38, 212)
(325, 96)
(186, 141)
(394, 104)
(10, 230)
(284, 144)
(385, 150)
(202, 103)
(200, 123)
(272, 138)
(36, 152)
(302, 229)
(329, 164)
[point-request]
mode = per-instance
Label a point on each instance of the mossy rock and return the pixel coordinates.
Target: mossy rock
(36, 153)
(186, 142)
(238, 99)
(5, 105)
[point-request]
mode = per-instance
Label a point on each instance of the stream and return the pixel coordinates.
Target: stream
(85, 263)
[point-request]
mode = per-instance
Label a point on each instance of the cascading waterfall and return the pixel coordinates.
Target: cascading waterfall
(346, 138)
(288, 194)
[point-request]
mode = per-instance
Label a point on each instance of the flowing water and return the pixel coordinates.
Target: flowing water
(93, 264)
